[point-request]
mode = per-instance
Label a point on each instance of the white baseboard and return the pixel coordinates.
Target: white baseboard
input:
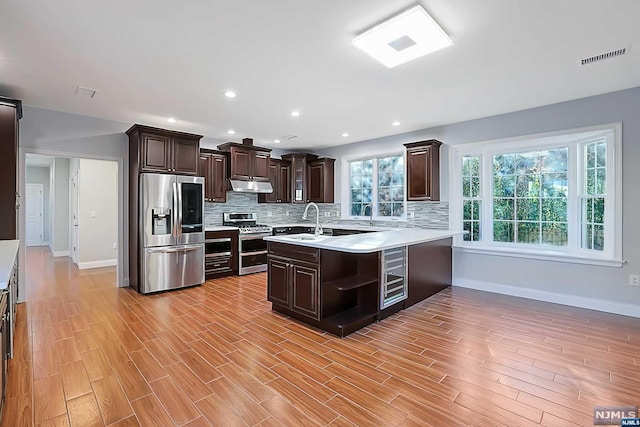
(57, 254)
(564, 299)
(97, 264)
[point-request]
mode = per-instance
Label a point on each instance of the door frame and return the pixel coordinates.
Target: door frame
(41, 220)
(74, 238)
(123, 218)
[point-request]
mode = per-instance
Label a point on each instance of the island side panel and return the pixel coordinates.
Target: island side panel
(430, 267)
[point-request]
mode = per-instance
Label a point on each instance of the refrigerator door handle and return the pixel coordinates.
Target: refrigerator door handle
(173, 250)
(179, 211)
(174, 199)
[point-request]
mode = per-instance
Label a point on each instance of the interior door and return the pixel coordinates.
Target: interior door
(74, 183)
(34, 218)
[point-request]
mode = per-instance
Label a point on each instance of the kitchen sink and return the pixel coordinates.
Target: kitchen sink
(305, 237)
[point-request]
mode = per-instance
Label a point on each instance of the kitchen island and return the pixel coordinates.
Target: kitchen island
(342, 283)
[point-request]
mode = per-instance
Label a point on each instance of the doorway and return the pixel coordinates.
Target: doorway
(34, 214)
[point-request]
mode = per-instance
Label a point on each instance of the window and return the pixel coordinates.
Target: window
(471, 197)
(378, 184)
(541, 195)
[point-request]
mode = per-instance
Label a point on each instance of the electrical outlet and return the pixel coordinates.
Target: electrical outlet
(412, 214)
(634, 280)
(115, 245)
(269, 214)
(286, 213)
(337, 214)
(326, 214)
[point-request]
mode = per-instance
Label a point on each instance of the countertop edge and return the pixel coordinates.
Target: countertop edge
(8, 254)
(350, 243)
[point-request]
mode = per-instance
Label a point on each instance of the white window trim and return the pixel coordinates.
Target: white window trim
(611, 256)
(345, 195)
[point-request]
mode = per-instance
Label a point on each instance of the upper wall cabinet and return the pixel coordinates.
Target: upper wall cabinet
(247, 163)
(299, 165)
(213, 168)
(164, 151)
(10, 113)
(311, 178)
(423, 170)
(280, 177)
(321, 180)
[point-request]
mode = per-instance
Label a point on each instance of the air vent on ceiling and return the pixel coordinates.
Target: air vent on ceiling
(287, 137)
(603, 56)
(85, 92)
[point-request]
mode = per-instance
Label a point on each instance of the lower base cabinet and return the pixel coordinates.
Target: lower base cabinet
(294, 285)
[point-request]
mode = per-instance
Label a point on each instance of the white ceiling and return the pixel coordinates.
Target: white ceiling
(153, 59)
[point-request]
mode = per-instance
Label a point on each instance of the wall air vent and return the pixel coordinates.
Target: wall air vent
(603, 56)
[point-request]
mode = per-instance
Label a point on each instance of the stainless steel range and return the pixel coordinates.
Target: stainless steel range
(252, 249)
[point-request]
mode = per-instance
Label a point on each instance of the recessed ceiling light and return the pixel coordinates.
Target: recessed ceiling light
(403, 38)
(276, 141)
(230, 94)
(295, 113)
(231, 132)
(344, 135)
(396, 123)
(171, 120)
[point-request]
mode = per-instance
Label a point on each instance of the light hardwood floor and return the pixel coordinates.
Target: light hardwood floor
(90, 354)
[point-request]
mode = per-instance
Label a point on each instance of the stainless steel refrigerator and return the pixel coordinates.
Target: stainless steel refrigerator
(172, 231)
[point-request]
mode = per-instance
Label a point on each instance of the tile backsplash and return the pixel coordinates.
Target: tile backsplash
(426, 214)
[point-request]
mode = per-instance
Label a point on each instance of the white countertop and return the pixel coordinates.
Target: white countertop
(8, 254)
(221, 228)
(368, 242)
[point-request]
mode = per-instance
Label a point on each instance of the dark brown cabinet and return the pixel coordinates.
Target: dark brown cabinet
(423, 170)
(163, 151)
(311, 178)
(299, 175)
(247, 163)
(220, 254)
(321, 180)
(10, 113)
(213, 168)
(280, 178)
(295, 285)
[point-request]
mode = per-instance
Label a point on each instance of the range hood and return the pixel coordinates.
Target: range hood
(250, 186)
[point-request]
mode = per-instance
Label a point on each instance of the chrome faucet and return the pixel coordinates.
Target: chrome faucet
(318, 230)
(370, 213)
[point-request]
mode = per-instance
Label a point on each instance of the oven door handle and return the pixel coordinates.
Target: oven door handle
(254, 236)
(253, 253)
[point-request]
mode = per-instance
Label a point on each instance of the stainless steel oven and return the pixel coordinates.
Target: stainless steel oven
(252, 249)
(253, 253)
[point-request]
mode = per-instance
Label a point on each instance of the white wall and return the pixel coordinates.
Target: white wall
(602, 288)
(60, 193)
(40, 175)
(97, 213)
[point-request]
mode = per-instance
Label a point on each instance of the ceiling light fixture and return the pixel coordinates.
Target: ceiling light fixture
(231, 132)
(295, 113)
(345, 135)
(396, 123)
(230, 94)
(276, 141)
(171, 120)
(403, 38)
